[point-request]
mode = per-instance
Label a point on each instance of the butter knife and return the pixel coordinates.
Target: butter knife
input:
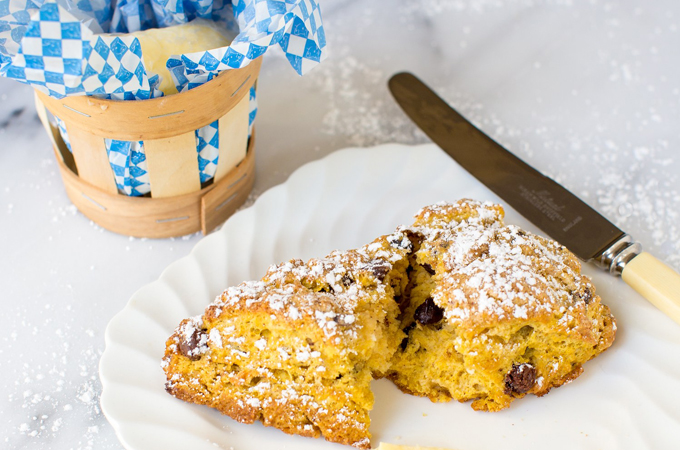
(551, 207)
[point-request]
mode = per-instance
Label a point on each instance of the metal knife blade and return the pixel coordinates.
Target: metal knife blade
(552, 208)
(548, 205)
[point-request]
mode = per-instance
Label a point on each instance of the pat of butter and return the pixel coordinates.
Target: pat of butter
(386, 446)
(158, 44)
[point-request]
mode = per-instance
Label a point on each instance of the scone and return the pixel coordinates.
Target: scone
(456, 306)
(493, 312)
(298, 349)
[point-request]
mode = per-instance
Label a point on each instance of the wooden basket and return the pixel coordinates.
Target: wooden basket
(178, 204)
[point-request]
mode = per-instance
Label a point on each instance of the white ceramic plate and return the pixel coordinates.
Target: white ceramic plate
(628, 398)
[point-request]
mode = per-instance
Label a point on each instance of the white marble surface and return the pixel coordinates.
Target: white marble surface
(586, 91)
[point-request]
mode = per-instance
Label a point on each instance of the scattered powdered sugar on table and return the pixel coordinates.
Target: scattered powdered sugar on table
(611, 161)
(57, 390)
(643, 199)
(436, 7)
(636, 200)
(642, 203)
(51, 396)
(365, 117)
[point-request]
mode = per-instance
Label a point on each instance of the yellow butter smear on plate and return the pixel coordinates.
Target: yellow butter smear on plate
(158, 44)
(386, 446)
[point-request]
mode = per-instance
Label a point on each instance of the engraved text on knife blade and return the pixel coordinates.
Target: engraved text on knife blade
(543, 201)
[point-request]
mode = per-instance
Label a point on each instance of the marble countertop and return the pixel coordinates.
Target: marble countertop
(587, 92)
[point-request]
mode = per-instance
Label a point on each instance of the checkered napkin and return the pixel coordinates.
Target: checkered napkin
(295, 25)
(57, 47)
(52, 48)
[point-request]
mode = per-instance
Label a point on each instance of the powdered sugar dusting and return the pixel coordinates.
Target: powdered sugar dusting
(494, 270)
(321, 289)
(49, 395)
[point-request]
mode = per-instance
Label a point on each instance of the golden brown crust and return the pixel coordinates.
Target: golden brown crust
(457, 306)
(296, 349)
(518, 316)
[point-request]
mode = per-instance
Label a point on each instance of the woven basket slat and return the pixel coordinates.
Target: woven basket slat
(233, 133)
(171, 163)
(89, 152)
(51, 129)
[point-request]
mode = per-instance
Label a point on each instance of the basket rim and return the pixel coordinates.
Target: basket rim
(151, 217)
(160, 117)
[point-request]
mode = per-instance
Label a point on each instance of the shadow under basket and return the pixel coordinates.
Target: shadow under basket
(179, 203)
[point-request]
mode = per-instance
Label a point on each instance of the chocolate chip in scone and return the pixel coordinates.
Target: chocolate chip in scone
(401, 242)
(328, 289)
(346, 280)
(409, 327)
(428, 268)
(344, 320)
(380, 269)
(188, 346)
(520, 379)
(407, 330)
(414, 236)
(586, 296)
(428, 313)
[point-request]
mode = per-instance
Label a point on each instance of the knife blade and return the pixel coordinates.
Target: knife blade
(547, 204)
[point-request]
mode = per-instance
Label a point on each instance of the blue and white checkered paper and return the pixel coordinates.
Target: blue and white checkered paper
(128, 160)
(294, 25)
(57, 46)
(51, 47)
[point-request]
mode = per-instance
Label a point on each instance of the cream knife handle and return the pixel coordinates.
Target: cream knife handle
(656, 282)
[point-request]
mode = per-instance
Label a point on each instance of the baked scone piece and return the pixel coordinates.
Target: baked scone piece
(298, 349)
(493, 312)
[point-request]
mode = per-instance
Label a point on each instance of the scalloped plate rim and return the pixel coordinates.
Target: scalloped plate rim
(263, 198)
(293, 182)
